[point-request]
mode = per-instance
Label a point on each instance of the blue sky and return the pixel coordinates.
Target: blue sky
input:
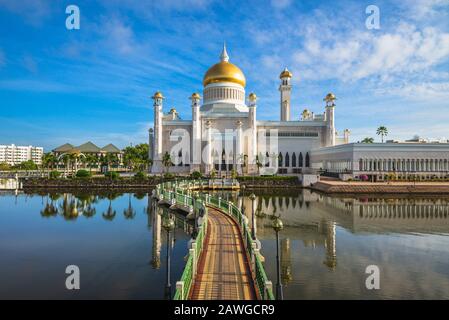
(59, 85)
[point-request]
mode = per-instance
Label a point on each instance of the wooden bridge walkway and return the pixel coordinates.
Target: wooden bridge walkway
(223, 271)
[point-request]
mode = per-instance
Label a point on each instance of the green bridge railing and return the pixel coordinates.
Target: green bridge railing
(179, 193)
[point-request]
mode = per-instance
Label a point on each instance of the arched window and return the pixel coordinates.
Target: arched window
(287, 160)
(307, 160)
(294, 160)
(280, 160)
(300, 162)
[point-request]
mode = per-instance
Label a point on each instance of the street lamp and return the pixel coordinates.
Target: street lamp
(253, 229)
(243, 199)
(168, 224)
(278, 226)
(195, 216)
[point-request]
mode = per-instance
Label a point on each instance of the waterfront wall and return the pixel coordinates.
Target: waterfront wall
(380, 188)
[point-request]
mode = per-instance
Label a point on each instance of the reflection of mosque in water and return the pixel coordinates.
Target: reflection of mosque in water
(312, 218)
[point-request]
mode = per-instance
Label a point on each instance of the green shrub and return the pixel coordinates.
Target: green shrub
(169, 175)
(196, 175)
(112, 175)
(54, 174)
(140, 175)
(83, 174)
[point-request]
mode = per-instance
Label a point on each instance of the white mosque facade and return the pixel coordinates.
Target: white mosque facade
(225, 135)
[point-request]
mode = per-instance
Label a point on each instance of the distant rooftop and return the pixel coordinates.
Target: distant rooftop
(87, 147)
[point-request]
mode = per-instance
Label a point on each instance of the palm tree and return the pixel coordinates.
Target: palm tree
(368, 140)
(382, 131)
(166, 161)
(259, 162)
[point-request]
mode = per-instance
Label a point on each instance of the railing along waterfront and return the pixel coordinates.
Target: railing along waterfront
(178, 193)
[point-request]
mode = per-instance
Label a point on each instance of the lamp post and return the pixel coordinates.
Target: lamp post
(195, 216)
(278, 226)
(243, 199)
(168, 224)
(253, 229)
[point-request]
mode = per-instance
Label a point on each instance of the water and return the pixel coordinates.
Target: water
(326, 244)
(120, 252)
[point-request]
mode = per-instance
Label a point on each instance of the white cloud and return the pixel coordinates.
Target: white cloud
(34, 12)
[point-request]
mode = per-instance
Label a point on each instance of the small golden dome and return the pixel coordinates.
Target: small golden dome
(195, 95)
(330, 97)
(157, 95)
(252, 97)
(285, 74)
(172, 110)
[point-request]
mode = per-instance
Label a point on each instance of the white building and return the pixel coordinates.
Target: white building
(379, 160)
(225, 134)
(12, 154)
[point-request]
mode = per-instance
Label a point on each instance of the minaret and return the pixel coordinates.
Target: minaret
(252, 153)
(157, 145)
(285, 88)
(196, 133)
(330, 119)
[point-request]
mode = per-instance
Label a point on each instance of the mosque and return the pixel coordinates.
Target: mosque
(224, 136)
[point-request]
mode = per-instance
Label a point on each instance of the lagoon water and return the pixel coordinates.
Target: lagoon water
(326, 245)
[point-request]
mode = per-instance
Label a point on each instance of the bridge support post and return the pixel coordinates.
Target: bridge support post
(268, 288)
(180, 288)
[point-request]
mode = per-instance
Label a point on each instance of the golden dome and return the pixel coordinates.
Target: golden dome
(330, 97)
(285, 74)
(224, 71)
(158, 94)
(195, 95)
(252, 97)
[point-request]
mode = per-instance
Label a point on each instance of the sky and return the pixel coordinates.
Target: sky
(95, 84)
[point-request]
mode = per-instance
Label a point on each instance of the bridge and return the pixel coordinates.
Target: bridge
(224, 261)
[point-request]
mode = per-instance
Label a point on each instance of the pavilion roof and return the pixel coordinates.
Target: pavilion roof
(64, 148)
(110, 148)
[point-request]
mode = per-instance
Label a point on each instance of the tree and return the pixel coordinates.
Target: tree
(368, 140)
(136, 157)
(5, 166)
(166, 161)
(91, 160)
(259, 162)
(49, 160)
(382, 131)
(26, 165)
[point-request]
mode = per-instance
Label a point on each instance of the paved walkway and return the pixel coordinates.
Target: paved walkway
(223, 271)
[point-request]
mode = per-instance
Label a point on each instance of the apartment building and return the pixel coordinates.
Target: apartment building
(13, 154)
